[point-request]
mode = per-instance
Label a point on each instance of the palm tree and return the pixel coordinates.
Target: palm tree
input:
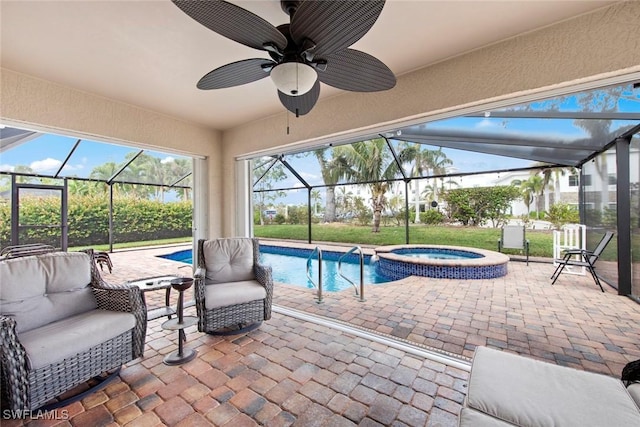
(82, 188)
(420, 159)
(180, 168)
(345, 201)
(438, 162)
(104, 172)
(315, 196)
(425, 162)
(367, 161)
(551, 181)
(330, 170)
(153, 170)
(531, 190)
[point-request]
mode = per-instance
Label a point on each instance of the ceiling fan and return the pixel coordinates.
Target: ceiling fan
(312, 48)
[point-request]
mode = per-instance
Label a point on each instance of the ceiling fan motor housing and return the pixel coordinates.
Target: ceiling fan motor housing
(289, 6)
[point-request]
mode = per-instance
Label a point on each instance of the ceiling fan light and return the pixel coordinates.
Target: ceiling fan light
(294, 78)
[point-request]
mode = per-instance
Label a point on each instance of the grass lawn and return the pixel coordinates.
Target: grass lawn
(483, 238)
(136, 244)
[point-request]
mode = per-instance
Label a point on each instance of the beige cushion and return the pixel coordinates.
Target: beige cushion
(59, 340)
(225, 294)
(38, 290)
(228, 260)
(530, 393)
(472, 418)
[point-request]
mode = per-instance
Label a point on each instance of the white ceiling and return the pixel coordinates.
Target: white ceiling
(151, 54)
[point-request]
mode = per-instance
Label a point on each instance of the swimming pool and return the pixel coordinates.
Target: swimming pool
(290, 265)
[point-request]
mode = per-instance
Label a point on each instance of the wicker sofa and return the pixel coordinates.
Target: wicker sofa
(61, 325)
(233, 291)
(509, 390)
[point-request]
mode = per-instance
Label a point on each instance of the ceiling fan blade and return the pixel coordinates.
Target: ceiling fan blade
(301, 105)
(357, 71)
(236, 74)
(233, 22)
(334, 25)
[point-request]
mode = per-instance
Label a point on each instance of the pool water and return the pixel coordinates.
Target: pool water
(436, 253)
(291, 269)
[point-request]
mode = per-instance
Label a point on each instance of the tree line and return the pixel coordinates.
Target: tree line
(373, 163)
(130, 182)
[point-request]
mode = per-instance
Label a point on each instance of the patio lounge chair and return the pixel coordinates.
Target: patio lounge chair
(513, 237)
(510, 390)
(233, 291)
(60, 326)
(25, 250)
(585, 259)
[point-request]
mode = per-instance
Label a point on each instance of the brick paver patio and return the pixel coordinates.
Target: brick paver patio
(295, 372)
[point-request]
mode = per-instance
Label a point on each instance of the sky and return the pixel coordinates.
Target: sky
(46, 154)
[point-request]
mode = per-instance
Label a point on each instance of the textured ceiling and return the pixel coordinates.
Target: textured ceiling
(150, 54)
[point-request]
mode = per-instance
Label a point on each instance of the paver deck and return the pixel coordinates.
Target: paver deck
(292, 371)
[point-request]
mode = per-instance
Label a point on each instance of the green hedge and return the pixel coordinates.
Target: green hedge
(88, 218)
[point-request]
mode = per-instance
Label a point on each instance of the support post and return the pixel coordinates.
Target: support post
(406, 211)
(623, 212)
(111, 217)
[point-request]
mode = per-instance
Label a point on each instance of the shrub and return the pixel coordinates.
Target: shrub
(478, 205)
(562, 213)
(88, 220)
(432, 217)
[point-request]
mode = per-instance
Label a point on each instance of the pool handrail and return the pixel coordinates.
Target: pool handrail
(318, 251)
(361, 256)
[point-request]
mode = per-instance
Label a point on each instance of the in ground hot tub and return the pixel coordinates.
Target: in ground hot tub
(445, 262)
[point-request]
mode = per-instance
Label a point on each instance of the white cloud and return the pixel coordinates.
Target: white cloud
(72, 167)
(6, 168)
(45, 165)
(487, 123)
(308, 176)
(167, 159)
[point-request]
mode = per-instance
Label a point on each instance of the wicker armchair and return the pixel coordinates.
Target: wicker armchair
(46, 303)
(233, 291)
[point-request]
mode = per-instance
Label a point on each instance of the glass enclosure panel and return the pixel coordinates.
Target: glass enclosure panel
(88, 213)
(40, 216)
(600, 211)
(152, 167)
(283, 207)
(98, 160)
(138, 219)
(620, 98)
(270, 173)
(42, 155)
(634, 156)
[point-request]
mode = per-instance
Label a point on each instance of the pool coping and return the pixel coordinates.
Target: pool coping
(489, 258)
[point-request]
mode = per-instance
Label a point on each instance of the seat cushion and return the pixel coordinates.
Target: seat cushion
(59, 340)
(531, 393)
(228, 260)
(472, 418)
(225, 294)
(38, 290)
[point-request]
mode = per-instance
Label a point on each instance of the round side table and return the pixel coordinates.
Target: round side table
(181, 322)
